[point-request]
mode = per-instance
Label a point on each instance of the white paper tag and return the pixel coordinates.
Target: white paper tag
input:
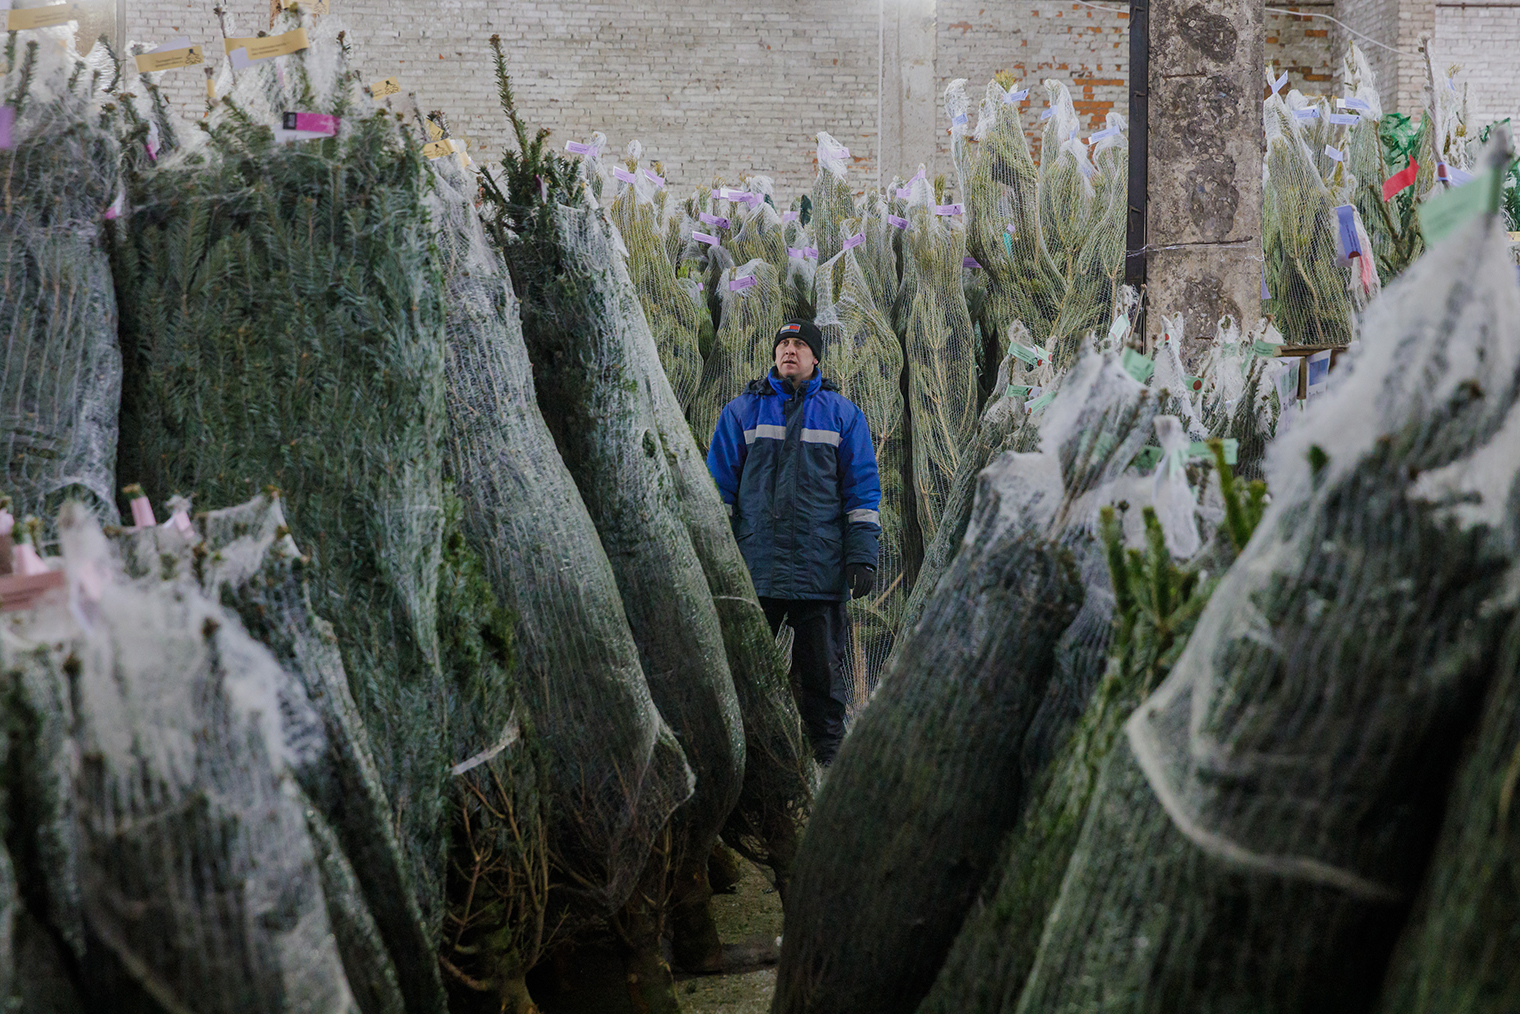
(1312, 113)
(1014, 98)
(791, 216)
(1334, 154)
(702, 237)
(1106, 132)
(1343, 120)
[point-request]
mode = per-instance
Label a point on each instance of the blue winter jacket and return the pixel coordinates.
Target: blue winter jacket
(798, 473)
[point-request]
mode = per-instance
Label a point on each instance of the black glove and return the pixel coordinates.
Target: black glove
(861, 577)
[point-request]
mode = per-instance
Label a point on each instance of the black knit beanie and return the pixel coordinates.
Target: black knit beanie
(804, 329)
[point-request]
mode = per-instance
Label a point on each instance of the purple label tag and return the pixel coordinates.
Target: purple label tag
(793, 251)
(654, 177)
(7, 125)
(1266, 293)
(855, 241)
(618, 172)
(791, 216)
(737, 284)
(316, 123)
(702, 237)
(903, 193)
(1047, 114)
(577, 148)
(969, 262)
(840, 153)
(1343, 119)
(717, 220)
(1106, 132)
(1014, 98)
(901, 223)
(1359, 105)
(1345, 220)
(949, 209)
(959, 120)
(700, 287)
(1280, 83)
(1312, 113)
(810, 252)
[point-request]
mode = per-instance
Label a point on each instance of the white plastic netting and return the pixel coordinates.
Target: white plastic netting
(940, 350)
(753, 309)
(1281, 792)
(60, 368)
(864, 358)
(181, 869)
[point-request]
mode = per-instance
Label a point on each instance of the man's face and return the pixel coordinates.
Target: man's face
(794, 359)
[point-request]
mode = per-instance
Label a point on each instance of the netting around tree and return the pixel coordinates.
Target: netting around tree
(1279, 795)
(1309, 288)
(582, 330)
(862, 355)
(180, 870)
(1093, 273)
(940, 350)
(1067, 199)
(672, 314)
(743, 348)
(1003, 228)
(832, 199)
(337, 399)
(60, 368)
(927, 785)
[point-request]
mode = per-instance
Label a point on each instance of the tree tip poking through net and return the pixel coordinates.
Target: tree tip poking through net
(753, 308)
(60, 368)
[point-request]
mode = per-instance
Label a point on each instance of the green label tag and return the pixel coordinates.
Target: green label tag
(1029, 356)
(1262, 348)
(1138, 366)
(1200, 449)
(1008, 244)
(1193, 383)
(1119, 328)
(1042, 401)
(1020, 391)
(1148, 457)
(1445, 213)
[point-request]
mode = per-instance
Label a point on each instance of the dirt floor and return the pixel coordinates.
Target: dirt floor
(749, 921)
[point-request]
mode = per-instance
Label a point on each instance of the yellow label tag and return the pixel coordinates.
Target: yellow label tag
(380, 89)
(438, 149)
(210, 88)
(39, 17)
(272, 45)
(147, 63)
(433, 129)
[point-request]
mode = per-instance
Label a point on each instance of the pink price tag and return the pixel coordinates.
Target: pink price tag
(702, 237)
(618, 172)
(142, 512)
(180, 521)
(716, 220)
(8, 523)
(577, 148)
(855, 241)
(949, 209)
(738, 284)
(654, 177)
(901, 223)
(26, 562)
(810, 252)
(903, 193)
(793, 251)
(316, 123)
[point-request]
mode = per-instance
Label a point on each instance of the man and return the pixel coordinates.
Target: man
(794, 461)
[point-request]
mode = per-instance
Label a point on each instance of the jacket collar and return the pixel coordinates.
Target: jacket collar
(780, 386)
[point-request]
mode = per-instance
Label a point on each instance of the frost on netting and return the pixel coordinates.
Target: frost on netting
(864, 358)
(60, 368)
(927, 785)
(1348, 649)
(941, 351)
(178, 862)
(753, 308)
(296, 338)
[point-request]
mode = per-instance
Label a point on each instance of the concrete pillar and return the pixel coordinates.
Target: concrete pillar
(1400, 24)
(1206, 140)
(906, 96)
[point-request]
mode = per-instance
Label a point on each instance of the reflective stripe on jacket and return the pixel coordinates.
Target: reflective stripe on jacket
(798, 473)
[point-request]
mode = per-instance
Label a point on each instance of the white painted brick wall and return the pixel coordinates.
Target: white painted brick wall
(713, 88)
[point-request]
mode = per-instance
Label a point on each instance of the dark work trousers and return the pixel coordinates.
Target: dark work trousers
(819, 680)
